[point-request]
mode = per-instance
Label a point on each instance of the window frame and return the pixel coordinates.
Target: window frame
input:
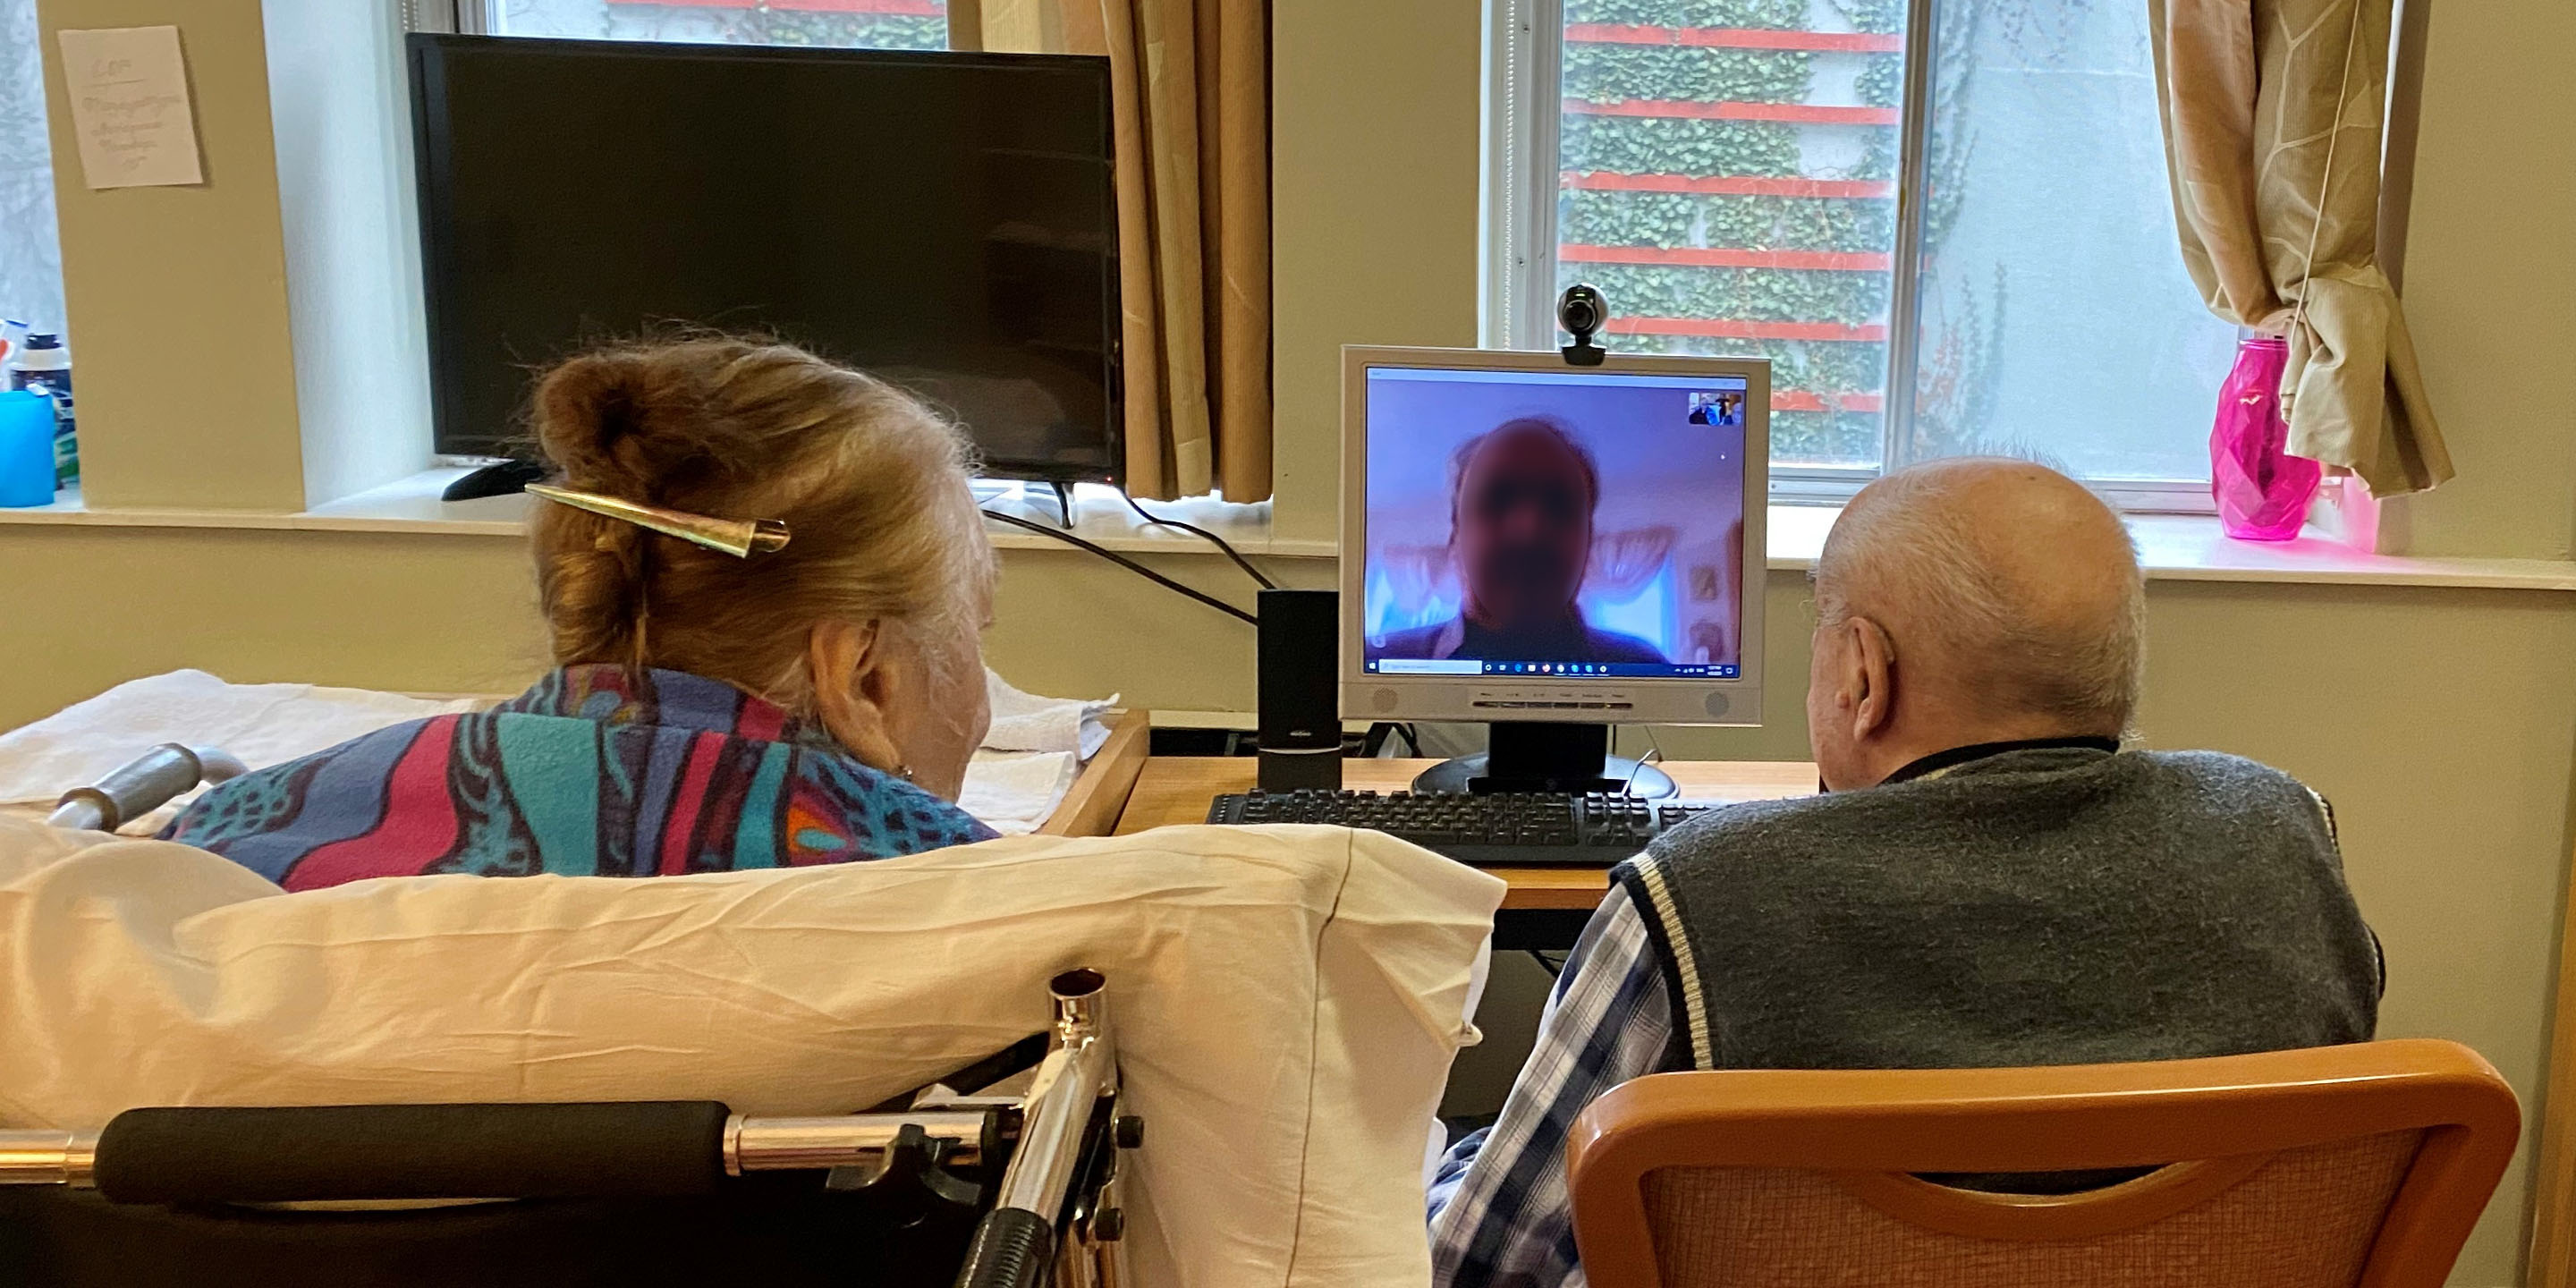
(1523, 65)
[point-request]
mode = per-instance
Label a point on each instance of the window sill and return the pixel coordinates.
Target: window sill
(411, 505)
(2190, 547)
(408, 506)
(1103, 519)
(2173, 547)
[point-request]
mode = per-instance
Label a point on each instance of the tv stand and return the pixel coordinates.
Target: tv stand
(1532, 756)
(500, 478)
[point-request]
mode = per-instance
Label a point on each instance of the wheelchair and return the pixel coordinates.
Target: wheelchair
(954, 1185)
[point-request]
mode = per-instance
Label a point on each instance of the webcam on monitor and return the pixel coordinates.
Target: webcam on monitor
(1581, 311)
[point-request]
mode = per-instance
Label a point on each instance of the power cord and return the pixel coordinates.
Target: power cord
(1195, 530)
(1374, 742)
(1126, 563)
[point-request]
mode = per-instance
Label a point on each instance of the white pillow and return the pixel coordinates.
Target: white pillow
(1286, 1000)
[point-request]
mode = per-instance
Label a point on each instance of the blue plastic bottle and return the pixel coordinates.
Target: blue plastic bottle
(26, 448)
(45, 365)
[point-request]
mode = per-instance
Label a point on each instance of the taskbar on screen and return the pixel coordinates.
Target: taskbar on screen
(1556, 670)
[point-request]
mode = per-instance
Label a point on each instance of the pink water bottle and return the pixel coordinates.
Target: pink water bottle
(2262, 490)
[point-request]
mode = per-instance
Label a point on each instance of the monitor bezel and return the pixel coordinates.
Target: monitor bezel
(1681, 701)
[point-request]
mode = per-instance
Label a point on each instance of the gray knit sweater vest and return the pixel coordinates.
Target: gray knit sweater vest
(2039, 906)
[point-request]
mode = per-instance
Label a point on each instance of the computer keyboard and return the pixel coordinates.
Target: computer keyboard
(1503, 830)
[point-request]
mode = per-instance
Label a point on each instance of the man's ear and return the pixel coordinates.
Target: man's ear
(1869, 677)
(854, 683)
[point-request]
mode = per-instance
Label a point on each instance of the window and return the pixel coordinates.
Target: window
(31, 259)
(1728, 173)
(848, 24)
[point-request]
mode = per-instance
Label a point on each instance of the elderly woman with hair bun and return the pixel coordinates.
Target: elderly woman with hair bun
(812, 703)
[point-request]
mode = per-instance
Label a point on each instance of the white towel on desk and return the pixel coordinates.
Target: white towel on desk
(1031, 755)
(1027, 722)
(1014, 792)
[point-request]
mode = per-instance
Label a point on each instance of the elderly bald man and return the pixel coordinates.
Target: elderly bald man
(1988, 880)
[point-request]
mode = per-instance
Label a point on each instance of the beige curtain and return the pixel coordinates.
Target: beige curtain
(2272, 116)
(1190, 80)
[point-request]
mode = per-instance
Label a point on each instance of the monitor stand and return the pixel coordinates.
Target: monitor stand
(500, 478)
(1530, 756)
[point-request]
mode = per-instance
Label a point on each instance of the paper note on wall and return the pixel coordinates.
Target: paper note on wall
(129, 95)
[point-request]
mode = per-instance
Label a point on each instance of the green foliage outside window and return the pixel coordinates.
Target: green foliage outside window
(1824, 435)
(1588, 217)
(1827, 367)
(1661, 219)
(1678, 74)
(1883, 16)
(1671, 145)
(1777, 15)
(851, 30)
(1882, 82)
(1694, 148)
(1742, 294)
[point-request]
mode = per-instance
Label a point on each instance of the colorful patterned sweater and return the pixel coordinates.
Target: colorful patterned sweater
(597, 771)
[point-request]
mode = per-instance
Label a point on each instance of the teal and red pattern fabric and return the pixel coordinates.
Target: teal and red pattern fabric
(597, 771)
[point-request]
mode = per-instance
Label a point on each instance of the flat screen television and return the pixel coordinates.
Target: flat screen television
(946, 221)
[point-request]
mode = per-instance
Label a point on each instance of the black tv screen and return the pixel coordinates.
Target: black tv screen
(943, 220)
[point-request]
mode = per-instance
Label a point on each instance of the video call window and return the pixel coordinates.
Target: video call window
(1583, 525)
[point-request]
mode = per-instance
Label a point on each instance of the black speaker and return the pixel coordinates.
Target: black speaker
(1301, 729)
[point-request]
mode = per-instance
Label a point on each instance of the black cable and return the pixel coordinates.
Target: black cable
(1554, 969)
(1126, 563)
(1230, 552)
(1411, 739)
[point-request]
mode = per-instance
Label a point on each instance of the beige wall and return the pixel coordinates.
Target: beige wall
(177, 296)
(1373, 210)
(2491, 274)
(457, 615)
(2443, 723)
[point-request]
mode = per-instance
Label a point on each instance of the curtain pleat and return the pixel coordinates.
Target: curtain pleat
(1189, 81)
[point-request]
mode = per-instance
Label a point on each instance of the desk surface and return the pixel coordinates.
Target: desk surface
(1176, 789)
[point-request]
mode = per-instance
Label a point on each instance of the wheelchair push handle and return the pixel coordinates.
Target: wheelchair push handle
(143, 785)
(1015, 1243)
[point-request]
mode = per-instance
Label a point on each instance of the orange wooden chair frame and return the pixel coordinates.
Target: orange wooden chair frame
(2208, 1123)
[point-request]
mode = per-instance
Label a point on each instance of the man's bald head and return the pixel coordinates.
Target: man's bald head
(2005, 587)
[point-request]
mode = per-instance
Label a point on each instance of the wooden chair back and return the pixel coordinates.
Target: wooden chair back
(2358, 1166)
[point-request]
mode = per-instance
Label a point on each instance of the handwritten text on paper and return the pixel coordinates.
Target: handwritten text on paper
(129, 97)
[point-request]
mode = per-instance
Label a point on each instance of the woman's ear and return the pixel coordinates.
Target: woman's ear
(854, 690)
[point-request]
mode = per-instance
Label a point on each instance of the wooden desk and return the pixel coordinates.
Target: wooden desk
(1176, 789)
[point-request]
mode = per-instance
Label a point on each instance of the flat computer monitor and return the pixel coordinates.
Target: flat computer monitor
(946, 221)
(1529, 543)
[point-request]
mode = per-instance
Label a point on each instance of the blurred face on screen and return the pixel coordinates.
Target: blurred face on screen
(1522, 534)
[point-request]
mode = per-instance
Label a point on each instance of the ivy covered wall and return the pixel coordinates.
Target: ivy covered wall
(1783, 143)
(862, 24)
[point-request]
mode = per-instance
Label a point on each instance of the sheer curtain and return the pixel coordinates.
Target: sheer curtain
(1191, 84)
(2273, 111)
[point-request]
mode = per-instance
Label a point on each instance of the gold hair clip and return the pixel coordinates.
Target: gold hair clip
(741, 538)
